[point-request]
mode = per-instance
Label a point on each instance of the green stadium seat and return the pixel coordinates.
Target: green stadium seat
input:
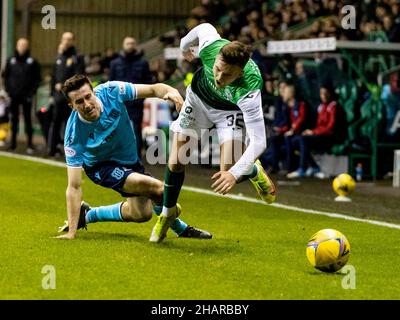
(348, 94)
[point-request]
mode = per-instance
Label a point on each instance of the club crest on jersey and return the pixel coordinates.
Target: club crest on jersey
(121, 88)
(228, 94)
(69, 62)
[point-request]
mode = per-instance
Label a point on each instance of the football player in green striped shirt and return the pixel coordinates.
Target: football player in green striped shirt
(226, 94)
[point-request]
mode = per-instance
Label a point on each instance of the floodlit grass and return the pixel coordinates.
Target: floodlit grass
(258, 252)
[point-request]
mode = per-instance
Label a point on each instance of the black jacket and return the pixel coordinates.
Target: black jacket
(67, 65)
(21, 75)
(130, 68)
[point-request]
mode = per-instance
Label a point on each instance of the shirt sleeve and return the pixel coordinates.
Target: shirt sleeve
(251, 107)
(203, 35)
(73, 148)
(126, 90)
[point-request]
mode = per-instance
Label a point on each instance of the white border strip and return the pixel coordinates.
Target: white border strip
(230, 196)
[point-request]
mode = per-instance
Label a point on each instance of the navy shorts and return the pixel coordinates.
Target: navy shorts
(113, 175)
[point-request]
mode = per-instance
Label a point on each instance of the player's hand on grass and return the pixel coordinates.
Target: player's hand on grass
(224, 183)
(67, 236)
(175, 97)
(189, 55)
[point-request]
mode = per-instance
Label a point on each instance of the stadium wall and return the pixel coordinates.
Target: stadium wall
(98, 24)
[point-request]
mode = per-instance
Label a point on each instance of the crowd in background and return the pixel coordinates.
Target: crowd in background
(256, 21)
(259, 20)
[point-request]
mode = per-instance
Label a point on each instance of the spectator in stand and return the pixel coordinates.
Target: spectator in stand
(320, 139)
(94, 70)
(299, 13)
(392, 30)
(131, 67)
(289, 120)
(109, 56)
(270, 158)
(68, 63)
(21, 79)
(297, 120)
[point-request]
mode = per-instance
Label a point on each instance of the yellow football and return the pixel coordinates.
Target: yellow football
(344, 184)
(328, 250)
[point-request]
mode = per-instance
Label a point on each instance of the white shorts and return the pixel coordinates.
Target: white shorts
(196, 116)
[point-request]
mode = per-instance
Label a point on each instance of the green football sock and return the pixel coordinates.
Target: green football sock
(172, 187)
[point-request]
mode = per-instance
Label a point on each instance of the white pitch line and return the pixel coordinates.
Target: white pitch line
(230, 196)
(293, 208)
(34, 159)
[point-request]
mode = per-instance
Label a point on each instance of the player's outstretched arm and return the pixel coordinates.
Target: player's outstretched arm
(251, 105)
(203, 35)
(159, 90)
(74, 198)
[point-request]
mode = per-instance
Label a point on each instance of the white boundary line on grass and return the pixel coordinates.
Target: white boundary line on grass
(34, 159)
(293, 208)
(230, 196)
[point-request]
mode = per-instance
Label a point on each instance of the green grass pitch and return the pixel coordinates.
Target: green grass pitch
(258, 252)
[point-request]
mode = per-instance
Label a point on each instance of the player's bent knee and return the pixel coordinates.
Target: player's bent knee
(138, 210)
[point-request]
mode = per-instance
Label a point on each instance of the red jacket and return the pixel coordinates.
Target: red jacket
(326, 119)
(297, 117)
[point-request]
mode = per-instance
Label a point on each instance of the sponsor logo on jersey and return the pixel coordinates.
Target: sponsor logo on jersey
(186, 121)
(69, 152)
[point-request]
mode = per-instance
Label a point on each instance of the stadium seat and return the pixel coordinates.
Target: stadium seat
(348, 94)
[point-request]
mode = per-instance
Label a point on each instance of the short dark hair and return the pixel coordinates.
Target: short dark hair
(74, 83)
(331, 90)
(236, 53)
